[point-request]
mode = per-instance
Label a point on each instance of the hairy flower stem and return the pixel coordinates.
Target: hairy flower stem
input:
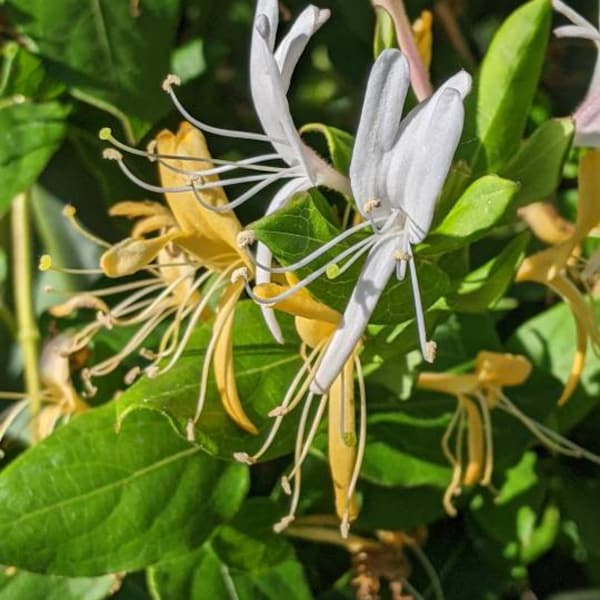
(27, 331)
(418, 73)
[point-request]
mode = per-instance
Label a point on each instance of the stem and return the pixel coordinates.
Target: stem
(419, 76)
(27, 331)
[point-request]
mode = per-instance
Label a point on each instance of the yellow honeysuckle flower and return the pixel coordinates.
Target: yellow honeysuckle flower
(423, 34)
(477, 394)
(190, 253)
(554, 266)
(316, 324)
(59, 398)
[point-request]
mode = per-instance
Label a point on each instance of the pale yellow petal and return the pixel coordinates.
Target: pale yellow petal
(448, 383)
(129, 255)
(151, 225)
(476, 446)
(223, 358)
(85, 301)
(134, 209)
(300, 304)
(545, 222)
(500, 369)
(209, 233)
(577, 365)
(313, 333)
(342, 440)
(588, 206)
(422, 33)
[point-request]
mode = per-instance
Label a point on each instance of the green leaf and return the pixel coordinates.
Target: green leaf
(538, 164)
(301, 228)
(384, 36)
(244, 560)
(339, 144)
(549, 340)
(31, 586)
(505, 88)
(29, 135)
(484, 286)
(24, 74)
(102, 52)
(482, 205)
(264, 371)
(88, 501)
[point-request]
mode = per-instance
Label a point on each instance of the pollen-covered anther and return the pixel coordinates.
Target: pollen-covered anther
(345, 527)
(147, 354)
(112, 154)
(430, 351)
(169, 81)
(104, 319)
(401, 255)
(370, 205)
(241, 273)
(245, 238)
(283, 524)
(244, 458)
(90, 388)
(132, 375)
(285, 486)
(45, 263)
(151, 371)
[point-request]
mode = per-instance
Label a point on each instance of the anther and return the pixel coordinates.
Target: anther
(244, 458)
(245, 238)
(345, 527)
(430, 351)
(132, 375)
(370, 205)
(401, 255)
(169, 81)
(45, 263)
(151, 371)
(278, 411)
(283, 524)
(190, 430)
(105, 134)
(285, 486)
(241, 273)
(112, 154)
(151, 150)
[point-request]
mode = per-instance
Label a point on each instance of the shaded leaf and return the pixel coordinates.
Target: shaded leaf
(339, 144)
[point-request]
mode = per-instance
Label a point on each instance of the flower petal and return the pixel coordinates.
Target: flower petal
(377, 270)
(423, 155)
(587, 116)
(380, 118)
(292, 46)
(588, 206)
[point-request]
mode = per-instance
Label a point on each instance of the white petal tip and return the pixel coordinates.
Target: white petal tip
(324, 15)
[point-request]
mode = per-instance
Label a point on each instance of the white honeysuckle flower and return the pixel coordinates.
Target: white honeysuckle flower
(587, 115)
(397, 171)
(271, 70)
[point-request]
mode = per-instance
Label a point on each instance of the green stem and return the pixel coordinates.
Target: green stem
(27, 331)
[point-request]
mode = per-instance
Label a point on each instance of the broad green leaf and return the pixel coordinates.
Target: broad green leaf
(339, 144)
(264, 371)
(29, 135)
(23, 74)
(549, 340)
(88, 501)
(245, 559)
(104, 53)
(301, 228)
(499, 105)
(484, 286)
(537, 166)
(482, 205)
(17, 584)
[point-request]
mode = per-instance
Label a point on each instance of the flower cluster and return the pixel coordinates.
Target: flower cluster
(189, 260)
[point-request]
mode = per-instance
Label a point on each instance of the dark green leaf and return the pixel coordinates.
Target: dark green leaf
(29, 135)
(483, 287)
(482, 205)
(505, 88)
(88, 501)
(17, 585)
(103, 52)
(537, 166)
(264, 371)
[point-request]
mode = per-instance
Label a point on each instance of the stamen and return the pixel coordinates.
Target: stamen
(370, 205)
(245, 238)
(489, 440)
(238, 274)
(428, 348)
(69, 211)
(173, 80)
(454, 463)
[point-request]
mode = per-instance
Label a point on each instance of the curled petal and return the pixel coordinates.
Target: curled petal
(85, 301)
(588, 207)
(134, 209)
(498, 369)
(448, 383)
(577, 365)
